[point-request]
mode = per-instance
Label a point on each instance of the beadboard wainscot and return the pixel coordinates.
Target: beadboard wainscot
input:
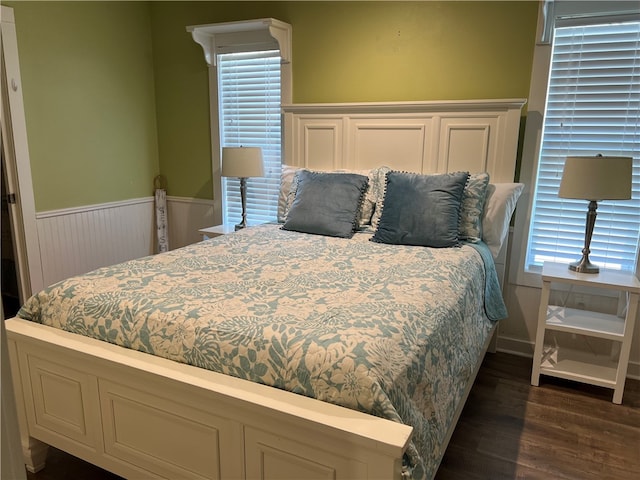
(186, 216)
(77, 240)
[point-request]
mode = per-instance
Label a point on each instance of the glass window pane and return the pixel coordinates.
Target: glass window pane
(250, 112)
(593, 106)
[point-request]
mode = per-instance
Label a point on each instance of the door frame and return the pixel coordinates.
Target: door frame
(17, 162)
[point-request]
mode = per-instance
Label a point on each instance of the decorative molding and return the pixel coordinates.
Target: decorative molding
(395, 138)
(405, 107)
(249, 35)
(469, 143)
(190, 200)
(90, 208)
(323, 141)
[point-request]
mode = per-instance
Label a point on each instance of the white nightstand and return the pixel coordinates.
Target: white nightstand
(602, 370)
(216, 231)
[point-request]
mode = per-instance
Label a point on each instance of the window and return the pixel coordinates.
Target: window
(249, 112)
(593, 106)
(249, 80)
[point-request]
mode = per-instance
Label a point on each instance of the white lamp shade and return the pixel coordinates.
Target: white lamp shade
(596, 178)
(242, 162)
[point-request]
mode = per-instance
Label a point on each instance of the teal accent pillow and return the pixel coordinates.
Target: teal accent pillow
(421, 210)
(472, 207)
(289, 184)
(327, 203)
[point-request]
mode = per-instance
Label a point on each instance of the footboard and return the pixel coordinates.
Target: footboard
(141, 416)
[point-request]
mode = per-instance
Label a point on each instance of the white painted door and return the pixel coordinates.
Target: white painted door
(15, 153)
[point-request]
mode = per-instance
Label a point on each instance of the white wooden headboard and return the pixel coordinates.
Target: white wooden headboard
(424, 137)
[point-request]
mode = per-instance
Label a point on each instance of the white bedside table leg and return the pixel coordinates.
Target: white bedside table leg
(623, 362)
(542, 320)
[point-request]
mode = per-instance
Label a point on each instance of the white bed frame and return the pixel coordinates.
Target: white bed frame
(146, 417)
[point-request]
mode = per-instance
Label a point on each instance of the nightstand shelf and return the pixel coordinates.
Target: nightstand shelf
(580, 366)
(585, 322)
(589, 367)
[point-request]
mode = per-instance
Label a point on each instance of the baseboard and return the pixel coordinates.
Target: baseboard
(515, 346)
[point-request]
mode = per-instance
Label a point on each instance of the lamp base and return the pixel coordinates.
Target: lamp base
(243, 197)
(584, 266)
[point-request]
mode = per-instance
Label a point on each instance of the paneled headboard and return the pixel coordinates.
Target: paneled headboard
(422, 137)
(425, 137)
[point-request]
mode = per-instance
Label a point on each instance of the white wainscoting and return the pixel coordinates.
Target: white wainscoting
(77, 240)
(186, 217)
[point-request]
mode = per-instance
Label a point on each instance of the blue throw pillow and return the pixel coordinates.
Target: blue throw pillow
(327, 203)
(421, 210)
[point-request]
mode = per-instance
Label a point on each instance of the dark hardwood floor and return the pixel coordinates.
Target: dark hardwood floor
(559, 430)
(509, 430)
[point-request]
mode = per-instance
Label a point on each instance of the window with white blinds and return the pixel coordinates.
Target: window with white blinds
(593, 106)
(249, 111)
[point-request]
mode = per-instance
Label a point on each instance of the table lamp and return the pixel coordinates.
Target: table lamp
(242, 162)
(594, 179)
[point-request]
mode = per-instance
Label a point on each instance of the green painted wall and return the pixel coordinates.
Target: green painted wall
(342, 52)
(390, 51)
(89, 98)
(90, 70)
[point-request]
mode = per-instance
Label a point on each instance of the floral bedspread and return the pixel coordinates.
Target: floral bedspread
(390, 330)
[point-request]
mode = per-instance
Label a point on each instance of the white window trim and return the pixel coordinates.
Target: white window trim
(548, 13)
(261, 34)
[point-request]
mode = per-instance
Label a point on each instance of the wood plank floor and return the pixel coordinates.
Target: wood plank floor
(560, 430)
(509, 430)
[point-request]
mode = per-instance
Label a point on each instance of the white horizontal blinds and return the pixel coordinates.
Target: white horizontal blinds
(593, 106)
(250, 112)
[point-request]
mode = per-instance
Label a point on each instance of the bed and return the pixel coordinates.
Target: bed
(281, 351)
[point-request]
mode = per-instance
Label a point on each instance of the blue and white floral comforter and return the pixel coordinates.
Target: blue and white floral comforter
(390, 330)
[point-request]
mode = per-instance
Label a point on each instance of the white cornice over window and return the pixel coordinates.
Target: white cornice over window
(244, 36)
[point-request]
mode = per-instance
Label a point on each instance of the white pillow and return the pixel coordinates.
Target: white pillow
(286, 177)
(498, 208)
